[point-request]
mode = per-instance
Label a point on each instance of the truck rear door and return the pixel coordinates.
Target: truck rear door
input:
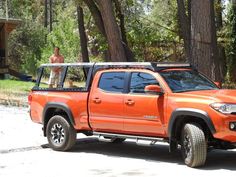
(106, 108)
(143, 111)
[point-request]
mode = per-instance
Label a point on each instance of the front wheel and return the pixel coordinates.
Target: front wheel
(60, 134)
(193, 145)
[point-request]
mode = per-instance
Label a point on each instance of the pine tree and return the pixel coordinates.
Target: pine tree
(232, 45)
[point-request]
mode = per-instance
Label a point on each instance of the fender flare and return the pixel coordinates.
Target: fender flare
(57, 105)
(180, 112)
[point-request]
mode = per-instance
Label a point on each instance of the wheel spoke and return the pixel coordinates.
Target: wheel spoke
(58, 133)
(187, 146)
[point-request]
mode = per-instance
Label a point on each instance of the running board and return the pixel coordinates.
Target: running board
(140, 140)
(107, 140)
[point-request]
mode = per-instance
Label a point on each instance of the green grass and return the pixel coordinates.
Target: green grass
(15, 87)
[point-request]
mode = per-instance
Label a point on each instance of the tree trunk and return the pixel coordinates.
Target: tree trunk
(219, 9)
(184, 22)
(83, 37)
(222, 54)
(129, 54)
(116, 48)
(46, 13)
(121, 18)
(232, 45)
(50, 15)
(99, 23)
(96, 15)
(204, 52)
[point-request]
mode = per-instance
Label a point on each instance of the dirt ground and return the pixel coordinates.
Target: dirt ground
(24, 152)
(14, 99)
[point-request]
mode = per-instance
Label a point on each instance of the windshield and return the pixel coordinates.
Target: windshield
(187, 80)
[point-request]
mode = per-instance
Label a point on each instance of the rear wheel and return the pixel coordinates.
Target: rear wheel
(193, 145)
(60, 134)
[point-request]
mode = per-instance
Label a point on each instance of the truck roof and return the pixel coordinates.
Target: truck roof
(154, 66)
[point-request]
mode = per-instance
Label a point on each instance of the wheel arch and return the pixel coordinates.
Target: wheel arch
(182, 116)
(54, 108)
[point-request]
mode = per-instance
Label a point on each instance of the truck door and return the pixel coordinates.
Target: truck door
(143, 111)
(106, 108)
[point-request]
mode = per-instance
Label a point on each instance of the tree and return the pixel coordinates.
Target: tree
(25, 44)
(50, 15)
(96, 15)
(64, 35)
(121, 18)
(83, 37)
(120, 15)
(103, 14)
(232, 44)
(116, 48)
(147, 27)
(184, 18)
(221, 47)
(152, 30)
(45, 13)
(204, 51)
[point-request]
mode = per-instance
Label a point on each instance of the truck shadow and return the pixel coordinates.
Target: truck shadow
(221, 159)
(217, 159)
(127, 149)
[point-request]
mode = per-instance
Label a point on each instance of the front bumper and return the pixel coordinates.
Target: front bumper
(227, 132)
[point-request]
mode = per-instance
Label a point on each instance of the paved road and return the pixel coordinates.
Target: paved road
(24, 152)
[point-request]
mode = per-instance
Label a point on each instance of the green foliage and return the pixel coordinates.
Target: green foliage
(32, 44)
(25, 45)
(26, 9)
(27, 41)
(147, 23)
(150, 29)
(231, 47)
(64, 35)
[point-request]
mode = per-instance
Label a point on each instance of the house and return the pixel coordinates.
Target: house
(6, 27)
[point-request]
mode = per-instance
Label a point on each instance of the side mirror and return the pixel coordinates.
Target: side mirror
(218, 84)
(153, 89)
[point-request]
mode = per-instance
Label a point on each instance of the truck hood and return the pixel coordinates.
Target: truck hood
(222, 95)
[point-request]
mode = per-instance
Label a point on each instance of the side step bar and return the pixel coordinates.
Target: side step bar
(140, 140)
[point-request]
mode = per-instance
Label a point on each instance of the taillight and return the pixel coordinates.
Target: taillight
(30, 98)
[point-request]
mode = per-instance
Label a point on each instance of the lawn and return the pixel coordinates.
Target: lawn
(15, 90)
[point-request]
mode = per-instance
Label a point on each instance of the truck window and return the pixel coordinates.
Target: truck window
(71, 78)
(51, 79)
(140, 80)
(75, 78)
(112, 81)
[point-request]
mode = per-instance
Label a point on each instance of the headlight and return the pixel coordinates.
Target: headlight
(224, 108)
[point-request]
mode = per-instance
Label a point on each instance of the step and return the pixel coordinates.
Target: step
(140, 140)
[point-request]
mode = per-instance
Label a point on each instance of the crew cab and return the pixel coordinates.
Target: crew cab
(148, 102)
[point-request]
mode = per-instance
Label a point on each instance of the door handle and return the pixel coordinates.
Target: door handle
(97, 100)
(129, 102)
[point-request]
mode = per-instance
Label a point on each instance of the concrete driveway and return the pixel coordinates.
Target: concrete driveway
(24, 152)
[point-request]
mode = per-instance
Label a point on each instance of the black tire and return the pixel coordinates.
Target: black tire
(193, 145)
(60, 134)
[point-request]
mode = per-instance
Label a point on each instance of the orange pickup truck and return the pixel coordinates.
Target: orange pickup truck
(148, 102)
